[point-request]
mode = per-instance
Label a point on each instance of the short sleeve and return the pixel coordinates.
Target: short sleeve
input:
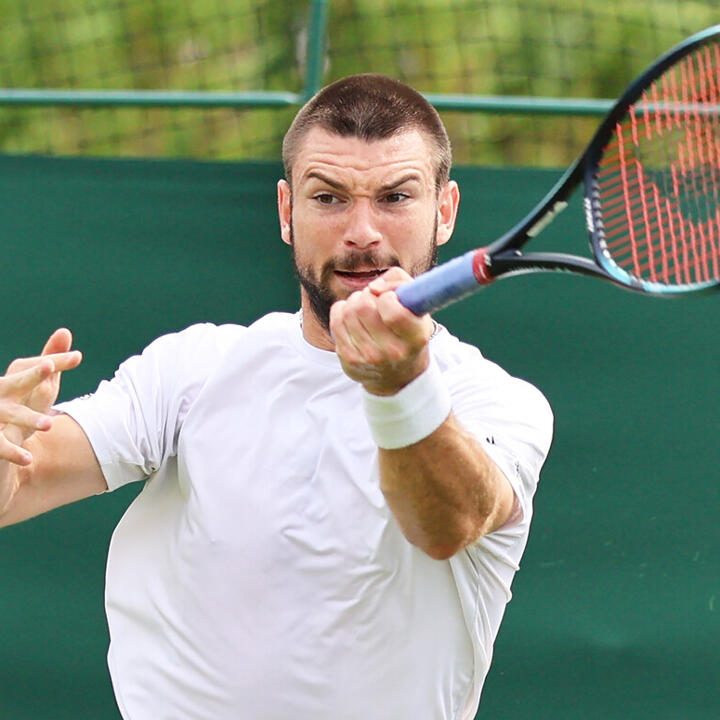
(511, 419)
(133, 420)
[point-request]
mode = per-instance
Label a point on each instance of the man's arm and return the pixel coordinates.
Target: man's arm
(45, 461)
(443, 489)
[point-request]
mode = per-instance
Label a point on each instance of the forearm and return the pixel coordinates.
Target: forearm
(64, 469)
(45, 461)
(444, 490)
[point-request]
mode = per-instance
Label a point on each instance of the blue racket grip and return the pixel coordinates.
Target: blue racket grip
(440, 286)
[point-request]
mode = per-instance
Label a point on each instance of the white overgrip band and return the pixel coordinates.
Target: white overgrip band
(412, 413)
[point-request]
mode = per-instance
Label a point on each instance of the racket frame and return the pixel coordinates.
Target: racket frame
(503, 256)
(465, 274)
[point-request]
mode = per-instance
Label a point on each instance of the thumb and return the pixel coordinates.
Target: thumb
(392, 279)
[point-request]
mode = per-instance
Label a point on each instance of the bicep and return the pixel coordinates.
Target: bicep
(512, 422)
(495, 493)
(64, 470)
(506, 504)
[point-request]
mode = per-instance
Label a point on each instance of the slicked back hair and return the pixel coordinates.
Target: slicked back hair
(369, 107)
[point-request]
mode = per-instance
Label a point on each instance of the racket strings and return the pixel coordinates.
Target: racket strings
(658, 183)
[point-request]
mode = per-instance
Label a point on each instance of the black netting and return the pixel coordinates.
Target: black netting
(535, 48)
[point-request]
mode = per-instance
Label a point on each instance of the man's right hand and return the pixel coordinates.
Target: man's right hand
(28, 391)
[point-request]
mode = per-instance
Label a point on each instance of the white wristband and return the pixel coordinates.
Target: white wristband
(412, 413)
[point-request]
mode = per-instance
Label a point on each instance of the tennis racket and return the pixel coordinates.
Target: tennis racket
(651, 178)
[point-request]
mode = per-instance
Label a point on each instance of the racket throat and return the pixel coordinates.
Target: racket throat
(514, 262)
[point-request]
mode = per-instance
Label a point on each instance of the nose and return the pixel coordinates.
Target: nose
(361, 228)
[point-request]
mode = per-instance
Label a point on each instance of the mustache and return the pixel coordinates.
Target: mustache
(365, 260)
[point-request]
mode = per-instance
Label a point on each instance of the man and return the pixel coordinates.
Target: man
(335, 501)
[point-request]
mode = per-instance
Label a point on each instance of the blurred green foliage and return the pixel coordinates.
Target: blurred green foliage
(556, 48)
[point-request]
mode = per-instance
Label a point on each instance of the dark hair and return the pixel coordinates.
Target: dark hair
(369, 107)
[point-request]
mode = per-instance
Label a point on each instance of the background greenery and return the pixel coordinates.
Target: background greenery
(558, 48)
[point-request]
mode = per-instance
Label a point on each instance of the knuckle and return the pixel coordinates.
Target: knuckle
(19, 365)
(392, 314)
(394, 317)
(368, 313)
(389, 300)
(356, 302)
(373, 356)
(338, 308)
(23, 415)
(350, 357)
(336, 321)
(364, 296)
(396, 352)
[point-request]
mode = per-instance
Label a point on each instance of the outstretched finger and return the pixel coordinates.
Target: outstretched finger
(61, 361)
(59, 342)
(20, 383)
(13, 453)
(22, 416)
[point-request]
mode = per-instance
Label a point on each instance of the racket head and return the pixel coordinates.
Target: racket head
(652, 175)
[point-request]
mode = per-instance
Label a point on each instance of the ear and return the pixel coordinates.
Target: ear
(284, 202)
(448, 202)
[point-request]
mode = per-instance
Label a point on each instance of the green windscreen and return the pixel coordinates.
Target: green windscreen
(616, 613)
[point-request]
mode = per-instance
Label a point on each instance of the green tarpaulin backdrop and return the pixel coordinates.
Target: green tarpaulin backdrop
(617, 606)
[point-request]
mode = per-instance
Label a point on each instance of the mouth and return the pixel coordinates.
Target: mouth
(358, 279)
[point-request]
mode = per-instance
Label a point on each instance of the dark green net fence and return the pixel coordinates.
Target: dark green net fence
(558, 49)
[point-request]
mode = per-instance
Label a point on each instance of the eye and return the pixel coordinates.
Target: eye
(396, 197)
(326, 199)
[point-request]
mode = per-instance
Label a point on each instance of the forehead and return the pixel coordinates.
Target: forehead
(405, 152)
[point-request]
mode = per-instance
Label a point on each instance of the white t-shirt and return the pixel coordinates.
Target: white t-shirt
(260, 574)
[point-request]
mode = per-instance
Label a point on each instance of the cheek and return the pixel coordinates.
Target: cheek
(412, 232)
(313, 240)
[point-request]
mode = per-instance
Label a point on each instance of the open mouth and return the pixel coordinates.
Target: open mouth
(370, 274)
(358, 279)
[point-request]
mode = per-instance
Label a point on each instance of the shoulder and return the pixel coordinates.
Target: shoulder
(192, 351)
(200, 337)
(275, 324)
(218, 337)
(199, 345)
(476, 381)
(201, 349)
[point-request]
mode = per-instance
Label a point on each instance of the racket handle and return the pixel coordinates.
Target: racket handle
(440, 286)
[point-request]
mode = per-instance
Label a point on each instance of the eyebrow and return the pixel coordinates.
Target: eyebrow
(405, 178)
(324, 178)
(384, 188)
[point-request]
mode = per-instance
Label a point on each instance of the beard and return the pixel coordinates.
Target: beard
(322, 298)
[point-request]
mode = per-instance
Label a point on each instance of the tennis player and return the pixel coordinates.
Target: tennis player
(336, 501)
